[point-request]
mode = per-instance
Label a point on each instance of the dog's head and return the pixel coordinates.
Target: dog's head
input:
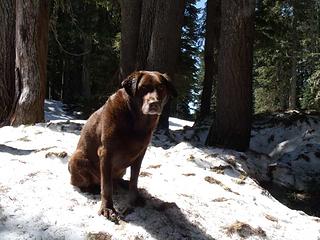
(150, 90)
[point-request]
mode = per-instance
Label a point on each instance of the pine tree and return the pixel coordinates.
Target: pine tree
(232, 125)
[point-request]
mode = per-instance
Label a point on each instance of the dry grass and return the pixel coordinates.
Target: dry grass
(271, 218)
(154, 166)
(188, 174)
(215, 181)
(241, 180)
(244, 230)
(232, 162)
(191, 158)
(221, 199)
(4, 189)
(145, 174)
(99, 236)
(220, 169)
(24, 139)
(56, 154)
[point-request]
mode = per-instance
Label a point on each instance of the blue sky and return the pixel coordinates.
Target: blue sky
(201, 3)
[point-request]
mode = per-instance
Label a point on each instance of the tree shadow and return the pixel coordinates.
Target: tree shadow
(162, 220)
(15, 151)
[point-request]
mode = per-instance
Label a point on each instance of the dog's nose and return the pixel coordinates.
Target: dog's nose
(154, 104)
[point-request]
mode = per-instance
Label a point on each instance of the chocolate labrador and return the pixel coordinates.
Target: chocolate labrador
(117, 135)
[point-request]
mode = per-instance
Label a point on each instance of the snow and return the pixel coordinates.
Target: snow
(191, 191)
(178, 124)
(292, 149)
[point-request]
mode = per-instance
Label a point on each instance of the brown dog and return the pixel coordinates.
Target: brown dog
(117, 135)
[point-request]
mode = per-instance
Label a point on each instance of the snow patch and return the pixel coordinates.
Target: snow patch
(191, 193)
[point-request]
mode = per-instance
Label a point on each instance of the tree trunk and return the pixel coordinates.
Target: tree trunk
(210, 55)
(130, 24)
(7, 58)
(66, 87)
(146, 26)
(293, 80)
(165, 43)
(293, 85)
(31, 60)
(234, 94)
(85, 78)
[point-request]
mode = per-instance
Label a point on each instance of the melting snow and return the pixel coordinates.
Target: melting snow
(191, 192)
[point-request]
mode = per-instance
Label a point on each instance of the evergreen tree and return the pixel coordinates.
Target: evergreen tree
(188, 63)
(232, 126)
(84, 48)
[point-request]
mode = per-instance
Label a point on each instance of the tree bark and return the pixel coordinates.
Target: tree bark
(7, 59)
(31, 60)
(130, 25)
(210, 55)
(165, 43)
(146, 26)
(234, 94)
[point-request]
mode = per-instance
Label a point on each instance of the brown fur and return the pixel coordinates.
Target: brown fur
(116, 137)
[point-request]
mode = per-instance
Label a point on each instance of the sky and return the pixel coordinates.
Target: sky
(201, 3)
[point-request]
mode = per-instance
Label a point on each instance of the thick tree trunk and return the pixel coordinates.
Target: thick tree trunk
(210, 56)
(130, 25)
(165, 43)
(234, 94)
(7, 58)
(31, 60)
(146, 26)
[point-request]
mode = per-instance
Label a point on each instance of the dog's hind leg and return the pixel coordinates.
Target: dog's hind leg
(83, 173)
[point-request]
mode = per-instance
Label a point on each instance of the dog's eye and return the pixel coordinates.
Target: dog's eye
(146, 88)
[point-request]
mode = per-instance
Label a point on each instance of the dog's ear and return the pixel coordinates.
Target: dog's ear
(131, 82)
(172, 90)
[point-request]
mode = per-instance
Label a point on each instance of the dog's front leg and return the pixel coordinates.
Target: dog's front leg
(107, 208)
(134, 197)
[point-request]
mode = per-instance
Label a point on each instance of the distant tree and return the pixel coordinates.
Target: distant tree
(232, 125)
(188, 67)
(84, 50)
(7, 59)
(213, 15)
(286, 54)
(31, 60)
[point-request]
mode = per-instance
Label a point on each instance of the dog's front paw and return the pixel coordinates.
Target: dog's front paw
(109, 213)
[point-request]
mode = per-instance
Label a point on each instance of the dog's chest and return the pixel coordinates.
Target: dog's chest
(129, 149)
